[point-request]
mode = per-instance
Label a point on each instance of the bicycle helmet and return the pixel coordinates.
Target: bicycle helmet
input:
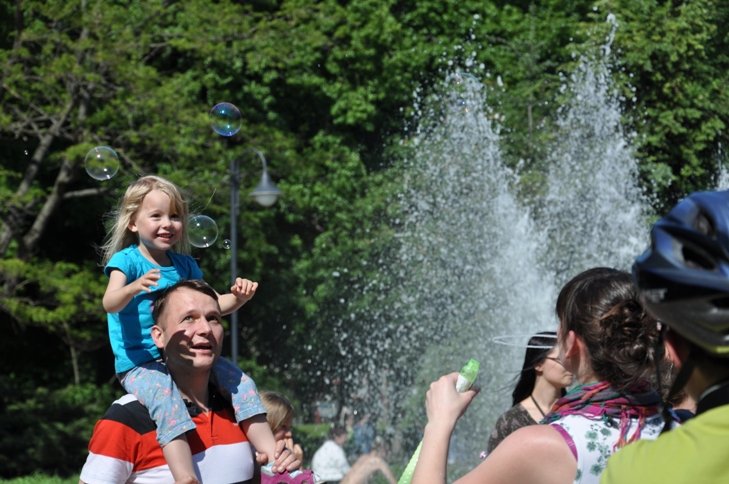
(683, 277)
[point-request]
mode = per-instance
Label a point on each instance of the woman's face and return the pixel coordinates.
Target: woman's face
(553, 369)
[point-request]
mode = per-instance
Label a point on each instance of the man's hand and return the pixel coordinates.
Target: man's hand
(286, 459)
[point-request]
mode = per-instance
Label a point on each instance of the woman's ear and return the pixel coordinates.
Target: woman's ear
(572, 344)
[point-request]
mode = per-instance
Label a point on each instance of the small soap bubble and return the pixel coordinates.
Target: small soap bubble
(225, 119)
(101, 163)
(227, 244)
(202, 231)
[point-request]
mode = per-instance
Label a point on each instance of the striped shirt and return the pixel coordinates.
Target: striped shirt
(124, 448)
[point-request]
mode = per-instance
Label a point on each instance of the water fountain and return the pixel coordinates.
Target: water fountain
(473, 262)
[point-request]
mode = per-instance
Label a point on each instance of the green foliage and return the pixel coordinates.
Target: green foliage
(673, 60)
(48, 430)
(39, 478)
(326, 92)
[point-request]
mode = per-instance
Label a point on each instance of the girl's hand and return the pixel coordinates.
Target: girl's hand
(298, 451)
(443, 404)
(286, 459)
(146, 282)
(243, 289)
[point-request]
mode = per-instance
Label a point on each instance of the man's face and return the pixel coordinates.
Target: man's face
(189, 330)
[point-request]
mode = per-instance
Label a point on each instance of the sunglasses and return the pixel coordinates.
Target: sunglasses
(555, 359)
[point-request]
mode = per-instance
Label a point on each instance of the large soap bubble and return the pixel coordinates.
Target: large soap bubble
(202, 231)
(225, 119)
(101, 163)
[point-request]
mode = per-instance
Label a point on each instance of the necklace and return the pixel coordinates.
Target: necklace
(538, 407)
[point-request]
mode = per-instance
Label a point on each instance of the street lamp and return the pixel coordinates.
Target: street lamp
(265, 194)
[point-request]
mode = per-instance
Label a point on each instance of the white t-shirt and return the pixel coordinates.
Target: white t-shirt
(330, 462)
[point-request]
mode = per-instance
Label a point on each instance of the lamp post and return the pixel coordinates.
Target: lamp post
(265, 194)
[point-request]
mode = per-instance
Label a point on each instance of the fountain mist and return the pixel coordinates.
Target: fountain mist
(473, 262)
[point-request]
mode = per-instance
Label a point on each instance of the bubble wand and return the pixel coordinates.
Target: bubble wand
(466, 377)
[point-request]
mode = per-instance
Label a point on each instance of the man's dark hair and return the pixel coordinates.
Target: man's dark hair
(195, 284)
(336, 431)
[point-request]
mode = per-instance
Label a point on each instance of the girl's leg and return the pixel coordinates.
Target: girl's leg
(239, 388)
(155, 389)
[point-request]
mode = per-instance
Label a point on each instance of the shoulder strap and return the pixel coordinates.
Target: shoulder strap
(567, 438)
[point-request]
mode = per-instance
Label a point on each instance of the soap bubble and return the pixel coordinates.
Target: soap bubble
(225, 119)
(101, 163)
(227, 244)
(202, 231)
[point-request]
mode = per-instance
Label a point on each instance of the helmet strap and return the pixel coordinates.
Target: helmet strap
(678, 383)
(715, 396)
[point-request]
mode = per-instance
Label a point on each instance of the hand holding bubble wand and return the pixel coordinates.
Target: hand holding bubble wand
(466, 378)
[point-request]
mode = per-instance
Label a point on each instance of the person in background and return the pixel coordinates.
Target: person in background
(280, 417)
(611, 346)
(683, 279)
(330, 462)
(124, 446)
(363, 434)
(541, 382)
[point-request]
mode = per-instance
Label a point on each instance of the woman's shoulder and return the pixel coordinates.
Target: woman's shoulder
(539, 434)
(542, 443)
(524, 455)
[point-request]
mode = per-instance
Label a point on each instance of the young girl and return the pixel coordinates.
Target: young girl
(280, 417)
(146, 251)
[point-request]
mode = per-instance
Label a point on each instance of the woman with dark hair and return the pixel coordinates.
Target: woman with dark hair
(542, 381)
(611, 345)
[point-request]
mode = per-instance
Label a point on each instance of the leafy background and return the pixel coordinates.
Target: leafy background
(326, 91)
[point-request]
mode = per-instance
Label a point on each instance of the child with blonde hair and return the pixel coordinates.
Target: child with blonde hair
(280, 417)
(147, 250)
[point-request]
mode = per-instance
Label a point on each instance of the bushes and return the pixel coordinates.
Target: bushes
(48, 430)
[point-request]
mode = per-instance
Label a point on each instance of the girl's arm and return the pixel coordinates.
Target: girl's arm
(118, 293)
(260, 435)
(241, 292)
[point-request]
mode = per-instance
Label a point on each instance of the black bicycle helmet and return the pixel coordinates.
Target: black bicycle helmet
(683, 277)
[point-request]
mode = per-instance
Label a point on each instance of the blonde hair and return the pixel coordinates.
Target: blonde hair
(120, 237)
(278, 409)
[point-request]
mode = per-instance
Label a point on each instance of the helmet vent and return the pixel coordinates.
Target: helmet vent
(704, 226)
(721, 302)
(697, 260)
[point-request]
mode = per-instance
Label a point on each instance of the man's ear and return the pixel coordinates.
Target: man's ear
(158, 336)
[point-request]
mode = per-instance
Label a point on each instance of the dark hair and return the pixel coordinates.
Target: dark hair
(336, 431)
(601, 306)
(160, 303)
(537, 350)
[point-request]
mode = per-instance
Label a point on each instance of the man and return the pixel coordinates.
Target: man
(684, 281)
(330, 462)
(124, 448)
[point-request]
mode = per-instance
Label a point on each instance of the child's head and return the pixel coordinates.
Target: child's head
(279, 413)
(120, 235)
(338, 433)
